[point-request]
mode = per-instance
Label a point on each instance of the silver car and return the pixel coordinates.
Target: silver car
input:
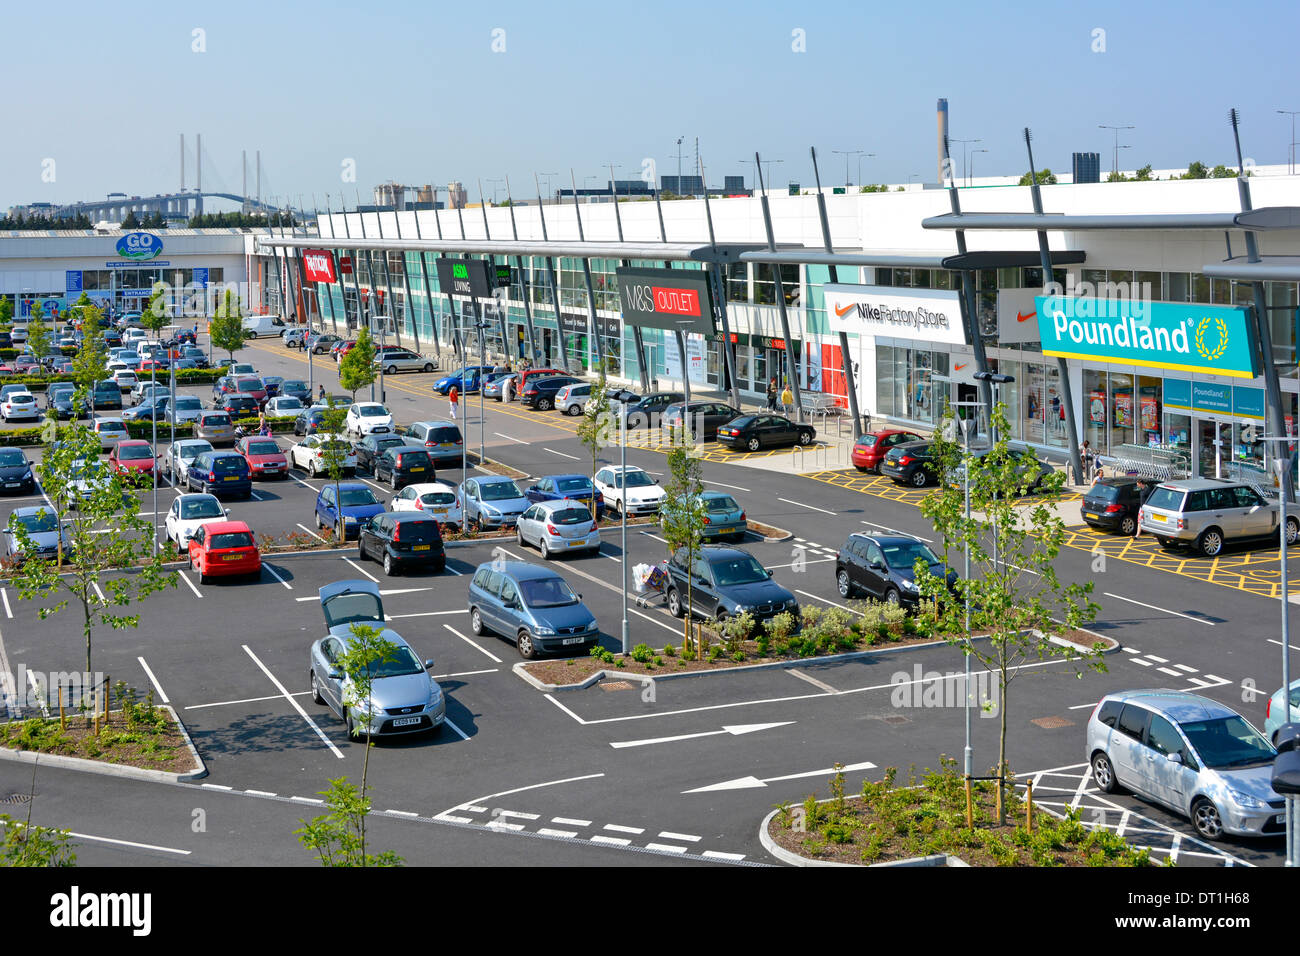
(216, 427)
(1194, 755)
(176, 463)
(557, 527)
(491, 502)
(404, 360)
(572, 399)
(1207, 513)
(1278, 714)
(403, 698)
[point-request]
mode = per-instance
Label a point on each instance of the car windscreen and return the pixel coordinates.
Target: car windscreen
(293, 385)
(40, 521)
(229, 465)
(249, 384)
(287, 403)
(867, 441)
(231, 539)
(356, 497)
(437, 498)
(633, 479)
(112, 427)
(1228, 742)
(400, 663)
(1169, 498)
(741, 570)
(499, 490)
(263, 448)
(12, 458)
(569, 485)
(571, 516)
(135, 453)
(901, 556)
(371, 411)
(348, 608)
(188, 403)
(547, 592)
(206, 507)
(190, 452)
(1104, 492)
(721, 503)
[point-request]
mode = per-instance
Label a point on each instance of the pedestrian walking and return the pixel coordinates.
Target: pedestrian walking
(453, 396)
(1087, 459)
(787, 400)
(1145, 487)
(322, 394)
(508, 389)
(771, 395)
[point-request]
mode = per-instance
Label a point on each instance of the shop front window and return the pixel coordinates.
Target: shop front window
(885, 380)
(1095, 419)
(1178, 429)
(1057, 434)
(1121, 411)
(1034, 409)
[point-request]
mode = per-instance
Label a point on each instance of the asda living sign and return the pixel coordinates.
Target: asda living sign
(1187, 336)
(468, 277)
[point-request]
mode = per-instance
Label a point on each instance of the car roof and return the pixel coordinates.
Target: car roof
(628, 468)
(586, 478)
(716, 552)
(224, 527)
(556, 504)
(1199, 484)
(425, 487)
(132, 443)
(29, 510)
(436, 423)
(1118, 480)
(493, 479)
(349, 486)
(1174, 704)
(521, 570)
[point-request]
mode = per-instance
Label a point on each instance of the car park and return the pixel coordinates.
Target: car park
(144, 389)
(530, 605)
(238, 405)
(61, 398)
(434, 498)
(575, 487)
(20, 406)
(215, 427)
(631, 487)
(1206, 514)
(218, 473)
(355, 501)
(1112, 504)
(368, 418)
(399, 540)
(321, 344)
(151, 409)
(16, 472)
(394, 360)
(443, 440)
(224, 549)
(126, 379)
(496, 387)
(705, 418)
(187, 513)
(403, 465)
(44, 532)
(264, 456)
(465, 379)
(723, 517)
(883, 567)
(911, 464)
(309, 455)
(403, 698)
(558, 527)
(186, 408)
(88, 477)
(309, 420)
(1194, 755)
(753, 432)
(283, 406)
(271, 385)
(295, 388)
(723, 583)
(132, 456)
(106, 396)
(1277, 713)
(252, 386)
(572, 399)
(644, 412)
(197, 356)
(371, 447)
(540, 393)
(491, 502)
(238, 369)
(870, 448)
(110, 432)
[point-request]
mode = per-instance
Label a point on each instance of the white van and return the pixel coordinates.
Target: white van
(264, 325)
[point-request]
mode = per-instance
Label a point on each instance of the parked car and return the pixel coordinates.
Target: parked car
(16, 472)
(496, 387)
(337, 346)
(238, 405)
(272, 383)
(218, 473)
(1026, 464)
(574, 487)
(252, 386)
(132, 456)
(911, 464)
(126, 379)
(1112, 504)
(106, 396)
(1276, 713)
(403, 697)
(264, 456)
(309, 420)
(723, 517)
(870, 449)
(432, 498)
(151, 409)
(705, 418)
(530, 605)
(558, 527)
(630, 486)
(465, 379)
(723, 583)
(197, 356)
(491, 502)
(110, 432)
(188, 408)
(540, 393)
(355, 501)
(295, 338)
(368, 418)
(283, 406)
(44, 532)
(89, 477)
(530, 375)
(296, 388)
(396, 360)
(572, 399)
(403, 465)
(401, 539)
(180, 455)
(883, 567)
(309, 455)
(224, 549)
(644, 412)
(1207, 513)
(1196, 756)
(215, 427)
(61, 398)
(371, 447)
(20, 406)
(442, 438)
(321, 344)
(753, 432)
(189, 512)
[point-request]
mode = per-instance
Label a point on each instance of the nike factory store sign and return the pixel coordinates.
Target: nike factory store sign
(919, 315)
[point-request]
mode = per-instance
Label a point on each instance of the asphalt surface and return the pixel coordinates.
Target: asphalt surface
(680, 771)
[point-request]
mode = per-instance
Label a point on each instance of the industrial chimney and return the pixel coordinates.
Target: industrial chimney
(942, 118)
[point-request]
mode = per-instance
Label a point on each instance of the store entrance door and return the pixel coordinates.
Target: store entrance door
(1211, 439)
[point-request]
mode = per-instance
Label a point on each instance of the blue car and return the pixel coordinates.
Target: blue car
(357, 502)
(466, 380)
(532, 606)
(575, 487)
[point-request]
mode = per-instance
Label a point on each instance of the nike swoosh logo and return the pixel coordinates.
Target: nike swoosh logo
(1023, 317)
(840, 312)
(961, 366)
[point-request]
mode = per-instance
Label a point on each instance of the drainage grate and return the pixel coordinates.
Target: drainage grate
(615, 685)
(896, 719)
(1052, 723)
(15, 798)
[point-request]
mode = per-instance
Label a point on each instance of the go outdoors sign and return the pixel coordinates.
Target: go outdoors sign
(1211, 339)
(139, 245)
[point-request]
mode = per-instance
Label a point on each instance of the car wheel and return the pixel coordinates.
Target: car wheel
(391, 370)
(320, 525)
(805, 437)
(476, 622)
(573, 410)
(635, 421)
(918, 478)
(753, 444)
(543, 549)
(844, 584)
(311, 468)
(316, 698)
(390, 566)
(891, 596)
(348, 723)
(1210, 542)
(1206, 819)
(428, 366)
(1166, 543)
(527, 649)
(1127, 525)
(1103, 773)
(392, 481)
(675, 603)
(1292, 530)
(545, 404)
(720, 619)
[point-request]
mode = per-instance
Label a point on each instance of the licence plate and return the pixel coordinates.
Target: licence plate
(438, 511)
(447, 446)
(420, 547)
(421, 468)
(572, 640)
(232, 557)
(576, 544)
(1158, 517)
(405, 721)
(12, 484)
(1280, 818)
(231, 478)
(380, 430)
(1089, 514)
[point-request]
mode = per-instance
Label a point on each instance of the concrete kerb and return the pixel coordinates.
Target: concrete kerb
(85, 765)
(794, 859)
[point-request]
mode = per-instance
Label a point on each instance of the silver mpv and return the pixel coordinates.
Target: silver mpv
(1207, 513)
(1196, 756)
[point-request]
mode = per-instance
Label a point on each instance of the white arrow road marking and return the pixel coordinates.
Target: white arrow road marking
(745, 783)
(735, 730)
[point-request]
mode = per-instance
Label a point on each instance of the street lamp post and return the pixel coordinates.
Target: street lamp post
(1115, 130)
(1291, 145)
(482, 327)
(868, 156)
(622, 461)
(972, 163)
(846, 153)
(968, 760)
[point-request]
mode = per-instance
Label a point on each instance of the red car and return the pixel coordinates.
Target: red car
(222, 549)
(134, 454)
(533, 374)
(341, 349)
(251, 385)
(870, 450)
(151, 365)
(264, 457)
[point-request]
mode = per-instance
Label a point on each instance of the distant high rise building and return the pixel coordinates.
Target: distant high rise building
(682, 186)
(426, 194)
(390, 196)
(456, 196)
(733, 185)
(1086, 167)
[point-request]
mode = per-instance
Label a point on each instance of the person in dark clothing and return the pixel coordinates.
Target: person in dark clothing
(771, 395)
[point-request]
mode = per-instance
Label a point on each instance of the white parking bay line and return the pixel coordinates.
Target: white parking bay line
(190, 583)
(1163, 610)
(154, 680)
(665, 848)
(463, 735)
(616, 841)
(809, 507)
(4, 593)
(723, 484)
(669, 835)
(508, 438)
(662, 624)
(394, 617)
(99, 591)
(562, 454)
(273, 574)
(566, 834)
(310, 532)
(825, 601)
(293, 703)
(477, 647)
(361, 569)
(255, 496)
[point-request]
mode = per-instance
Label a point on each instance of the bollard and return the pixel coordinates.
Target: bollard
(62, 723)
(1029, 806)
(970, 811)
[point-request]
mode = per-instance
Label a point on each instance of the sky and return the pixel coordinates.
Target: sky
(341, 96)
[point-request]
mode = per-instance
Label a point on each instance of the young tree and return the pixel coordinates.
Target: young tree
(226, 328)
(338, 837)
(1144, 174)
(38, 340)
(155, 317)
(90, 364)
(357, 368)
(334, 453)
(682, 515)
(1196, 170)
(129, 221)
(1045, 178)
(22, 844)
(6, 310)
(100, 512)
(1013, 592)
(597, 428)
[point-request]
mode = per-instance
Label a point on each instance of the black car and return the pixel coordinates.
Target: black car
(725, 582)
(911, 464)
(645, 411)
(112, 339)
(1112, 504)
(884, 567)
(6, 340)
(197, 356)
(61, 398)
(540, 393)
(308, 421)
(238, 405)
(401, 538)
(403, 465)
(705, 417)
(753, 432)
(106, 396)
(371, 447)
(296, 388)
(16, 472)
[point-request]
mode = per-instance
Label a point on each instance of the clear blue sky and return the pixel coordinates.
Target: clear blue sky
(414, 91)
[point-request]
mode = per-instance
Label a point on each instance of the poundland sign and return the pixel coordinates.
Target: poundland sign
(1211, 339)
